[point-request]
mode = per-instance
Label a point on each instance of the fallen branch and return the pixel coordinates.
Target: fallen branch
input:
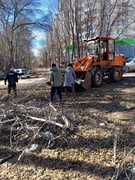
(52, 107)
(67, 123)
(24, 106)
(3, 113)
(26, 147)
(7, 121)
(46, 121)
(8, 157)
(33, 89)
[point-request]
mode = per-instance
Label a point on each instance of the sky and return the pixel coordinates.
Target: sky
(39, 41)
(46, 6)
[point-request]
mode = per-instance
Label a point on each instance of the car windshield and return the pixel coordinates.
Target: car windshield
(130, 60)
(24, 70)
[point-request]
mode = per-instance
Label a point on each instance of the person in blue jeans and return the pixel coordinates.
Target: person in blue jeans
(56, 80)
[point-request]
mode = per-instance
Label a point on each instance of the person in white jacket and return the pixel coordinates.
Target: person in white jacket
(69, 79)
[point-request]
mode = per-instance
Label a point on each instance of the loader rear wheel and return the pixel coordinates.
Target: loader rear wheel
(97, 78)
(116, 75)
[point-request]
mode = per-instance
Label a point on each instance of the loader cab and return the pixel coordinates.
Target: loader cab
(107, 50)
(102, 48)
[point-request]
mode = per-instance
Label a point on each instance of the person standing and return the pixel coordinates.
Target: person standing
(12, 79)
(56, 81)
(69, 79)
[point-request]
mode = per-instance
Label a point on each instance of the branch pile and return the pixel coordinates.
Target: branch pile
(32, 127)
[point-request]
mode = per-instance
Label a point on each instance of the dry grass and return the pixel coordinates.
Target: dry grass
(100, 146)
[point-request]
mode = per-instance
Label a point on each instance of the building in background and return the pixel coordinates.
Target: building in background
(82, 19)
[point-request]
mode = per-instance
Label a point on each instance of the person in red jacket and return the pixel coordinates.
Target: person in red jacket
(12, 79)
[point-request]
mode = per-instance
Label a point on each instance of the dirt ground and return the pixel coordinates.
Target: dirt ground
(99, 145)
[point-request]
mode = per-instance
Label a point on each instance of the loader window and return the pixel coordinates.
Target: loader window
(111, 46)
(92, 47)
(111, 49)
(103, 50)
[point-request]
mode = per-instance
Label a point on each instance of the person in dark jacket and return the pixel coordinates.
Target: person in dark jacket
(56, 79)
(12, 79)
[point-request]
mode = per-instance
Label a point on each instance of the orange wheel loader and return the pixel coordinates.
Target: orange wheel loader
(100, 62)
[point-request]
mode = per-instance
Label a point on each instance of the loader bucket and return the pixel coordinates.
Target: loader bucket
(83, 79)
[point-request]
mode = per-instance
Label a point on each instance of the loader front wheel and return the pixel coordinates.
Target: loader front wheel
(116, 75)
(97, 78)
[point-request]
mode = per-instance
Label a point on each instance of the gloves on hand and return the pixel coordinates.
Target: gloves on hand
(49, 83)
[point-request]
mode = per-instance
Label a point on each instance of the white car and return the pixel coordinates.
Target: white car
(26, 75)
(130, 66)
(23, 73)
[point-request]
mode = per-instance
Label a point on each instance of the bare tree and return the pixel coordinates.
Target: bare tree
(17, 20)
(79, 20)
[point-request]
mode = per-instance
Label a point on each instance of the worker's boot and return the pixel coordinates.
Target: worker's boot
(60, 103)
(9, 90)
(61, 107)
(15, 94)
